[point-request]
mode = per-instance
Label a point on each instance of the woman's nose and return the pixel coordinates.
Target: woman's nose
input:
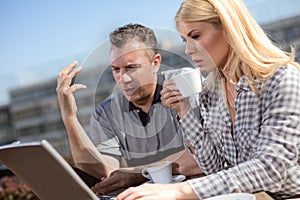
(188, 48)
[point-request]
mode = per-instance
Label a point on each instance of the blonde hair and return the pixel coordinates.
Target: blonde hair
(252, 53)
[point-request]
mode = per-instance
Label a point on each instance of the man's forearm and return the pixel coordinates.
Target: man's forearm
(85, 154)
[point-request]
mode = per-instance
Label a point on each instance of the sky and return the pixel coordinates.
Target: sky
(35, 35)
(35, 31)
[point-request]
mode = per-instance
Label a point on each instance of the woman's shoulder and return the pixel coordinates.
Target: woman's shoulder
(286, 78)
(287, 73)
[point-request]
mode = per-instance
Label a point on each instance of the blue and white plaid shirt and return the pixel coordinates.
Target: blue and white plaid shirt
(261, 153)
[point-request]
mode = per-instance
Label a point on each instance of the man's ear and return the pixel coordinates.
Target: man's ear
(156, 62)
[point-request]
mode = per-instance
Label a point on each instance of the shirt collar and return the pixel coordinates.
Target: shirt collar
(243, 84)
(156, 99)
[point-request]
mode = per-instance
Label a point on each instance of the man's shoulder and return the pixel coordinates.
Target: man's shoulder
(112, 100)
(104, 103)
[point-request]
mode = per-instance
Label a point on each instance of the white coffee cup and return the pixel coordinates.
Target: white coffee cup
(234, 196)
(187, 80)
(160, 172)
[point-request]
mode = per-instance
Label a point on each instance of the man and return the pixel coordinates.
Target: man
(131, 127)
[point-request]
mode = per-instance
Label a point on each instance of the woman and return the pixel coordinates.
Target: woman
(247, 138)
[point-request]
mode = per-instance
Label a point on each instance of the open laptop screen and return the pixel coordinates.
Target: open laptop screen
(45, 171)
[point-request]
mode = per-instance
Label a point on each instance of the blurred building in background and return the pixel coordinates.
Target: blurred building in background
(6, 128)
(286, 33)
(35, 113)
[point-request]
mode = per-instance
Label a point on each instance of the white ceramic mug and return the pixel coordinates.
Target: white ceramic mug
(234, 196)
(187, 80)
(160, 172)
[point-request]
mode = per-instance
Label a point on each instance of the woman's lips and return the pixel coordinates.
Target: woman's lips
(198, 63)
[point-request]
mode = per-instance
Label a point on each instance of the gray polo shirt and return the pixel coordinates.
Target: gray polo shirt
(118, 128)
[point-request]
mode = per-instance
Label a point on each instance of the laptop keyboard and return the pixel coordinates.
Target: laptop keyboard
(105, 197)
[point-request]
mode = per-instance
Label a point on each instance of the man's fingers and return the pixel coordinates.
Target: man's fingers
(75, 72)
(106, 186)
(78, 87)
(66, 70)
(69, 68)
(65, 78)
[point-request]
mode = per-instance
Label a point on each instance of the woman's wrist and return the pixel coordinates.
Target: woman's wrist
(186, 191)
(183, 111)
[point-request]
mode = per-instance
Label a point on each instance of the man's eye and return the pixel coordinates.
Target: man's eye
(115, 69)
(132, 67)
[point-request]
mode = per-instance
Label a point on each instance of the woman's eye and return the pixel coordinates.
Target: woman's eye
(195, 37)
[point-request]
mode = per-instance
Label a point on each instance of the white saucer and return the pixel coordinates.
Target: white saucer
(175, 179)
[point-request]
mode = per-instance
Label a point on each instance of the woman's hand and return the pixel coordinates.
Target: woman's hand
(159, 191)
(172, 98)
(65, 90)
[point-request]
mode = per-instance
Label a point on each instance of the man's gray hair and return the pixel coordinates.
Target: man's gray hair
(138, 32)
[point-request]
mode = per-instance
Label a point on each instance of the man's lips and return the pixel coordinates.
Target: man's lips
(128, 90)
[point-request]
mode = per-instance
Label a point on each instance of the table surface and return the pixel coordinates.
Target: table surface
(262, 196)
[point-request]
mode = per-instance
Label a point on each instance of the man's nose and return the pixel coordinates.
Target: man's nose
(125, 77)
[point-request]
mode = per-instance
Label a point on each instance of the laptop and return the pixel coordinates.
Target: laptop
(46, 172)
